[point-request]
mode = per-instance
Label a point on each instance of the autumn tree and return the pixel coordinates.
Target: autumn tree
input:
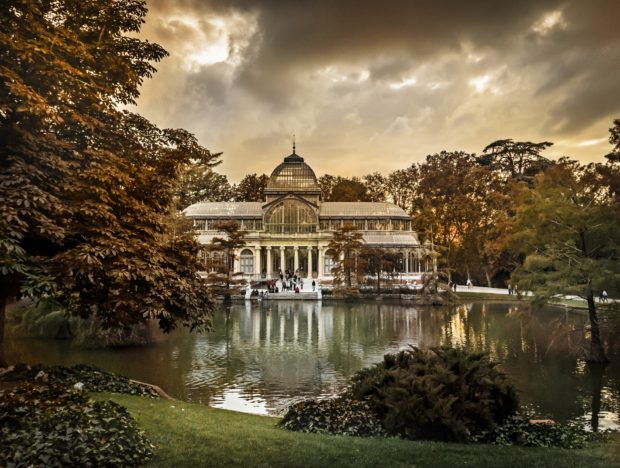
(222, 280)
(85, 189)
(251, 188)
(346, 244)
(401, 187)
(567, 226)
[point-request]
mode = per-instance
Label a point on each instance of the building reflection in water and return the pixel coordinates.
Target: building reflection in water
(262, 356)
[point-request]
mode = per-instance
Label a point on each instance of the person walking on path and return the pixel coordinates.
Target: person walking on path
(313, 285)
(604, 296)
(469, 283)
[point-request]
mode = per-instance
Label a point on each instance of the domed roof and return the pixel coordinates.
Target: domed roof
(293, 175)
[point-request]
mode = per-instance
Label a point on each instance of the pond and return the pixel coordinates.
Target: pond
(262, 356)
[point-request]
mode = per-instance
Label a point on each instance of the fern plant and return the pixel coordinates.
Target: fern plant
(438, 394)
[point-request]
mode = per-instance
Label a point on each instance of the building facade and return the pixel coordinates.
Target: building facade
(291, 229)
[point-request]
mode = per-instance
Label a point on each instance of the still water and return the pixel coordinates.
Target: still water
(261, 357)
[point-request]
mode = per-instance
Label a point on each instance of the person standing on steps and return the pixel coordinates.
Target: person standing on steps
(313, 285)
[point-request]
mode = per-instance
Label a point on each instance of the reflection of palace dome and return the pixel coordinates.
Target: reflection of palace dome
(292, 174)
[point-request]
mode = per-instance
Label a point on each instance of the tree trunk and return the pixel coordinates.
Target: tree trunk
(486, 273)
(597, 353)
(596, 372)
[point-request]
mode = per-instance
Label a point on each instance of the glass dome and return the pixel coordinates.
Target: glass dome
(293, 174)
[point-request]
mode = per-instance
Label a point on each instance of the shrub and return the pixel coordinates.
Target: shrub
(52, 425)
(336, 416)
(517, 430)
(439, 394)
(94, 380)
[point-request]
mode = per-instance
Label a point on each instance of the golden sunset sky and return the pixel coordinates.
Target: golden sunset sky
(377, 85)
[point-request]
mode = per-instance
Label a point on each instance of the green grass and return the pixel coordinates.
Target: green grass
(194, 435)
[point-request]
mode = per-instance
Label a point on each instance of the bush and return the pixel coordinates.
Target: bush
(52, 425)
(336, 416)
(439, 394)
(94, 380)
(517, 430)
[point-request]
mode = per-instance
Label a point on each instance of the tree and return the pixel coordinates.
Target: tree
(375, 187)
(326, 183)
(518, 160)
(567, 228)
(614, 139)
(346, 244)
(453, 199)
(223, 281)
(348, 190)
(86, 190)
(401, 187)
(377, 261)
(199, 182)
(251, 188)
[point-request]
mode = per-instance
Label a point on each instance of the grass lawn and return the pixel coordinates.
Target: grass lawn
(194, 435)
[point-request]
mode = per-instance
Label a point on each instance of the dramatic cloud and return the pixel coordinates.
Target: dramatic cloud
(369, 85)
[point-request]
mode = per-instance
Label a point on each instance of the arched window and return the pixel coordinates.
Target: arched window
(329, 262)
(291, 216)
(246, 262)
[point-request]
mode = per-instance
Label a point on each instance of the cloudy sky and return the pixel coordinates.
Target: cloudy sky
(369, 85)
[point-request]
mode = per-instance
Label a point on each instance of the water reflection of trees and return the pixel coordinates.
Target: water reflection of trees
(273, 352)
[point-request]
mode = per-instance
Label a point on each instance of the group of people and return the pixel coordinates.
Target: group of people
(289, 281)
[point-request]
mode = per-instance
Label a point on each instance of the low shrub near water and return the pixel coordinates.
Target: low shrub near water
(341, 416)
(517, 430)
(94, 380)
(52, 425)
(438, 394)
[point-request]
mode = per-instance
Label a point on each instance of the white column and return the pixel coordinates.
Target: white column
(257, 261)
(321, 262)
(296, 259)
(309, 261)
(282, 260)
(406, 261)
(269, 263)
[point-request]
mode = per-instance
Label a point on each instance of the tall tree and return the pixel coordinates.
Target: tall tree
(401, 187)
(85, 190)
(199, 182)
(251, 188)
(346, 244)
(222, 280)
(614, 139)
(567, 228)
(452, 201)
(518, 160)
